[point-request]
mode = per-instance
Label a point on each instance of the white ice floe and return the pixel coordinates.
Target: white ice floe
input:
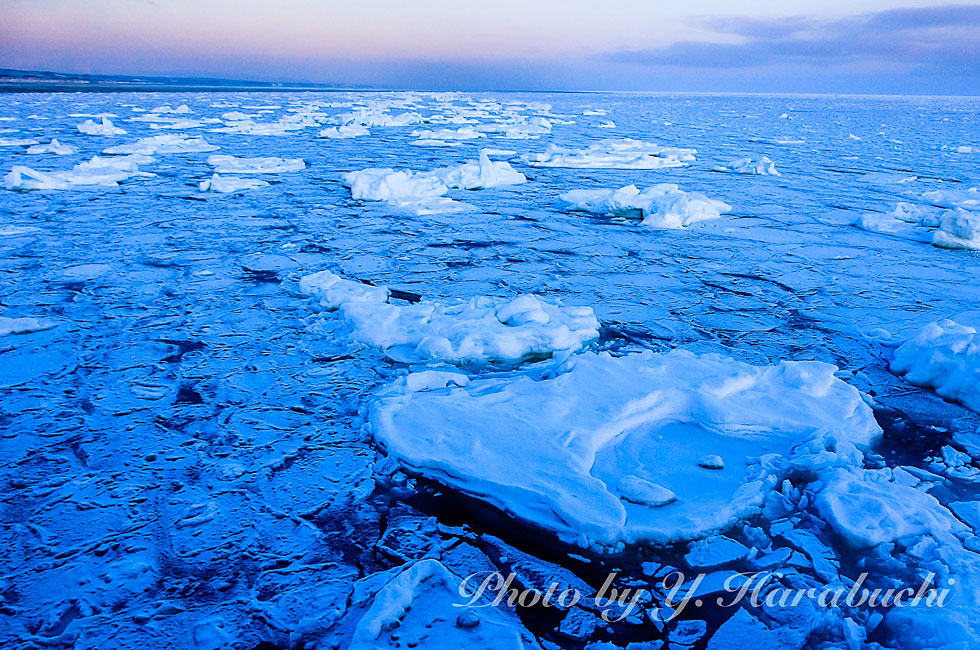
(613, 154)
(520, 128)
(944, 218)
(945, 357)
(424, 192)
(22, 326)
(868, 508)
(379, 117)
(462, 133)
(758, 166)
(104, 172)
(164, 144)
(481, 329)
(54, 147)
(660, 206)
(483, 174)
(607, 452)
(106, 127)
(420, 605)
(232, 165)
(229, 184)
(958, 229)
(166, 109)
(17, 142)
(343, 132)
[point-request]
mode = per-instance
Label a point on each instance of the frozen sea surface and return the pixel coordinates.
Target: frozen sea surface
(184, 455)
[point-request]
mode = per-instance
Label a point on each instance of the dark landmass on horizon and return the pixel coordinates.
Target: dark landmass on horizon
(23, 81)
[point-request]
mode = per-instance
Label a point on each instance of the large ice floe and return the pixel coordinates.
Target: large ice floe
(231, 165)
(659, 206)
(105, 127)
(418, 605)
(613, 154)
(945, 357)
(164, 144)
(424, 192)
(99, 171)
(616, 451)
(481, 329)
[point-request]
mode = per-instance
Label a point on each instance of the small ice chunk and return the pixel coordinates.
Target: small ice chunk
(54, 147)
(867, 508)
(711, 461)
(643, 492)
(715, 551)
(106, 127)
(344, 132)
(332, 291)
(229, 184)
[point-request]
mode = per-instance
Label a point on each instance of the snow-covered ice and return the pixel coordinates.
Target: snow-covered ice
(208, 438)
(607, 451)
(54, 147)
(945, 357)
(105, 127)
(104, 172)
(659, 206)
(229, 184)
(477, 330)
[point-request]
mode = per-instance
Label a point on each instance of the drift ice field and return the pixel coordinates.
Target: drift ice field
(286, 370)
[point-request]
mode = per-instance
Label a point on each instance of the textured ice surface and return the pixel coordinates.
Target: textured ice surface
(418, 605)
(607, 452)
(945, 356)
(478, 330)
(99, 171)
(183, 454)
(614, 154)
(659, 206)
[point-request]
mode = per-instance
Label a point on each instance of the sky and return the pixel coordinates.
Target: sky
(835, 46)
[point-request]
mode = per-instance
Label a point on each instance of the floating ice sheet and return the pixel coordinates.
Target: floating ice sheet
(608, 451)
